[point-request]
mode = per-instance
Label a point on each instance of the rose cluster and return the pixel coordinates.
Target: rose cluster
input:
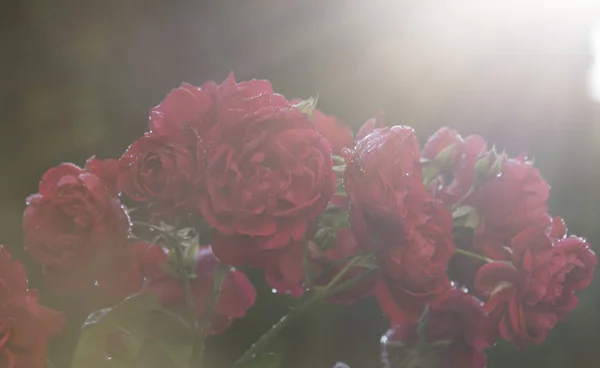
(289, 190)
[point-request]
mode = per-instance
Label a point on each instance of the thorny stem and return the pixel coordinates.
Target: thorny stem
(473, 255)
(184, 278)
(337, 278)
(322, 294)
(336, 263)
(204, 327)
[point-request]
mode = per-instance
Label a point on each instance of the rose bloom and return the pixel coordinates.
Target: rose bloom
(74, 227)
(237, 293)
(508, 204)
(456, 179)
(337, 133)
(369, 126)
(441, 140)
(514, 200)
(187, 110)
(159, 169)
(526, 299)
(119, 279)
(456, 319)
(414, 265)
(261, 171)
(383, 177)
(392, 213)
(266, 172)
(106, 170)
(25, 325)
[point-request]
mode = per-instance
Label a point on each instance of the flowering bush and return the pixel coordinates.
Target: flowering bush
(453, 239)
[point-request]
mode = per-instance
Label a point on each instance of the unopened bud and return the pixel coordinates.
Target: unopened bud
(488, 166)
(326, 238)
(446, 158)
(307, 106)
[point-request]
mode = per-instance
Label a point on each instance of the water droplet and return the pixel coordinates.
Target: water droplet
(274, 291)
(384, 340)
(96, 283)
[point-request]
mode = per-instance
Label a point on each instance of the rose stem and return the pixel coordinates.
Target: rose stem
(220, 274)
(473, 255)
(266, 338)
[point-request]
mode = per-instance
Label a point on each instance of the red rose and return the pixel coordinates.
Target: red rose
(74, 227)
(25, 325)
(283, 267)
(508, 204)
(159, 169)
(337, 133)
(106, 170)
(267, 173)
(237, 293)
(370, 126)
(322, 260)
(514, 200)
(463, 171)
(414, 263)
(195, 110)
(391, 212)
(527, 299)
(383, 177)
(126, 276)
(115, 279)
(187, 109)
(443, 139)
(455, 323)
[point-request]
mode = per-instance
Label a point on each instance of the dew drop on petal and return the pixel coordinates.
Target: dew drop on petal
(274, 291)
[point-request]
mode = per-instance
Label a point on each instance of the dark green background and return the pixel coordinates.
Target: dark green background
(78, 78)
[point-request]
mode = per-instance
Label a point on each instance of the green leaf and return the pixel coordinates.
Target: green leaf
(466, 216)
(308, 106)
(367, 262)
(158, 352)
(180, 355)
(128, 319)
(338, 160)
(269, 360)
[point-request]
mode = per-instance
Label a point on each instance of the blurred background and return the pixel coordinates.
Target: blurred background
(78, 78)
